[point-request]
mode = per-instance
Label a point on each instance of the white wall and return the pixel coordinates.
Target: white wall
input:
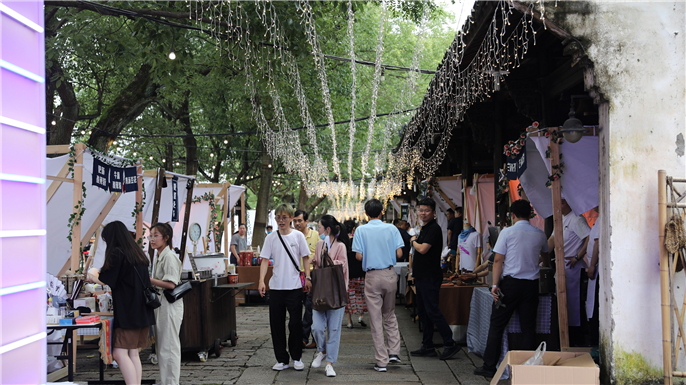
(637, 49)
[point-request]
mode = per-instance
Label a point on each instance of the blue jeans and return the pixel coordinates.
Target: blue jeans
(331, 320)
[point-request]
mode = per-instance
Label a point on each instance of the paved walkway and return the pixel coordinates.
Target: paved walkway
(250, 361)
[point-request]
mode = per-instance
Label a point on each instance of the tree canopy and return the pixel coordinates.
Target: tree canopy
(110, 82)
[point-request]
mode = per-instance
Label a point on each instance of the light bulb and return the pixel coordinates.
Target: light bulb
(177, 163)
(172, 55)
(226, 141)
(164, 161)
(151, 158)
(211, 155)
(53, 122)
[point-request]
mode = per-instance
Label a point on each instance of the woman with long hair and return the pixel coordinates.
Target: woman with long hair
(167, 275)
(126, 271)
(336, 242)
(356, 302)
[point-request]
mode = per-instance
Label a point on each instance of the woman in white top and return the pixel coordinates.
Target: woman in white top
(167, 275)
(336, 242)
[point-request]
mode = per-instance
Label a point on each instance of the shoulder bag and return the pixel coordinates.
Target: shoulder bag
(178, 292)
(152, 298)
(302, 274)
(328, 284)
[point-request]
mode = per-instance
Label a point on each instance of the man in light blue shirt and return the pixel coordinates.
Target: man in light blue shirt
(378, 245)
(517, 261)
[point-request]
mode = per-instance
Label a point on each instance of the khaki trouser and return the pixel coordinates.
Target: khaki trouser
(380, 289)
(168, 318)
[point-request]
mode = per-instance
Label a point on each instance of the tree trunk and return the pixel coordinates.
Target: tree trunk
(130, 103)
(262, 209)
(67, 112)
(169, 157)
(189, 140)
(302, 197)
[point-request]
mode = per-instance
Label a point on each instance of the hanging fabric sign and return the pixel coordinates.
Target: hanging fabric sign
(130, 179)
(101, 173)
(517, 165)
(116, 179)
(175, 199)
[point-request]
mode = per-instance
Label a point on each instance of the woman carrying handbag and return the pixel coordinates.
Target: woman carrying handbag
(126, 272)
(332, 249)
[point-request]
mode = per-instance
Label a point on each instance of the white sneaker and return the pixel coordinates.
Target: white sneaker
(317, 362)
(329, 371)
(298, 365)
(280, 366)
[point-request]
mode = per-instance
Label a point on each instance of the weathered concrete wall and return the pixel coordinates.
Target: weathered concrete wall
(638, 53)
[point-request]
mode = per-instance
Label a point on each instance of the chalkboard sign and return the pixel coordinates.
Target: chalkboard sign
(193, 266)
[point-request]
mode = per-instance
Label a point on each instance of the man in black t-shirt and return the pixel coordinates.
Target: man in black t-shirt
(426, 269)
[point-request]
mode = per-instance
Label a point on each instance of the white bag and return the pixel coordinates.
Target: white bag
(537, 358)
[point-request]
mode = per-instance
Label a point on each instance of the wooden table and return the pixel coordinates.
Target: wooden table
(454, 303)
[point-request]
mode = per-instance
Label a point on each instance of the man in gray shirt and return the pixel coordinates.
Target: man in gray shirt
(239, 242)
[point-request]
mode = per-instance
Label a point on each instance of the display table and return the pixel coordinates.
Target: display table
(480, 319)
(453, 301)
(68, 345)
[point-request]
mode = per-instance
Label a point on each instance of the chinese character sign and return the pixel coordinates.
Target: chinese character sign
(101, 173)
(116, 179)
(175, 199)
(517, 165)
(130, 179)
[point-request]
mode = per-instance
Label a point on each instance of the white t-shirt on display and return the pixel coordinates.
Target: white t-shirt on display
(575, 230)
(284, 275)
(468, 250)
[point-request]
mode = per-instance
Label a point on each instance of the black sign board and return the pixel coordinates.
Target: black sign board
(101, 174)
(116, 179)
(517, 165)
(130, 179)
(175, 199)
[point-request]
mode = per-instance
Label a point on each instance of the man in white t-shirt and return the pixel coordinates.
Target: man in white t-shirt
(285, 287)
(575, 233)
(469, 247)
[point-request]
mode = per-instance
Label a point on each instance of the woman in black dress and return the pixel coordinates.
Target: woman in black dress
(132, 318)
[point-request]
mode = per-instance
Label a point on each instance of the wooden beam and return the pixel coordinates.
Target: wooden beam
(447, 199)
(243, 207)
(65, 180)
(56, 184)
(156, 205)
(57, 149)
(225, 223)
(101, 217)
(664, 278)
(559, 250)
(186, 217)
(79, 149)
(139, 200)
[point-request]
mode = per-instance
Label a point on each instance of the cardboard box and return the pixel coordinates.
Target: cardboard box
(573, 368)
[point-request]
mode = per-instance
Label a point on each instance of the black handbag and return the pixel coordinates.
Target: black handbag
(152, 298)
(328, 284)
(172, 295)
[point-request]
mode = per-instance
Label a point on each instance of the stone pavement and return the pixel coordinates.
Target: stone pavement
(250, 361)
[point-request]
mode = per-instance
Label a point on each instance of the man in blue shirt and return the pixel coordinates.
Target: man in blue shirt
(378, 245)
(517, 261)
